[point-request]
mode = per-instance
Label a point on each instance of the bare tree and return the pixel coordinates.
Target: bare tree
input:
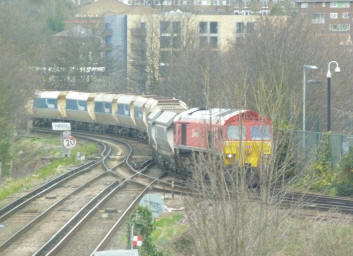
(27, 24)
(264, 73)
(273, 54)
(16, 86)
(76, 58)
(138, 59)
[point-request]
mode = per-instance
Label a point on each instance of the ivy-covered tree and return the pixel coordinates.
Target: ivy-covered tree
(143, 224)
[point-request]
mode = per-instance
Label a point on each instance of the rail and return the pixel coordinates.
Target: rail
(119, 222)
(21, 202)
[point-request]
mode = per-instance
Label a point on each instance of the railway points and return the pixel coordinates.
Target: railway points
(34, 231)
(119, 170)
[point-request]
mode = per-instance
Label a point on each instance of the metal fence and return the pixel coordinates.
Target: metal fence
(307, 145)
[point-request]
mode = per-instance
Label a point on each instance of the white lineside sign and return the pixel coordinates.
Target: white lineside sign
(60, 126)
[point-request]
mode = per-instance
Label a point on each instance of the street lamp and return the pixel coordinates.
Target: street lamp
(328, 76)
(312, 67)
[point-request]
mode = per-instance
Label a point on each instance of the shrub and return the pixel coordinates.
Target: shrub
(143, 224)
(322, 175)
(344, 182)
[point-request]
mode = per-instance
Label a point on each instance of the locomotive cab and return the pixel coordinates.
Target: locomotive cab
(243, 136)
(247, 140)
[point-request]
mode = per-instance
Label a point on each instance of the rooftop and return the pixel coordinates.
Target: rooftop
(104, 7)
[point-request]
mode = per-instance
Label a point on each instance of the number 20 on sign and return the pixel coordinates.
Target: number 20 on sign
(69, 142)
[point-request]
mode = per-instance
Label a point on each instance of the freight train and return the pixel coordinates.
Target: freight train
(172, 129)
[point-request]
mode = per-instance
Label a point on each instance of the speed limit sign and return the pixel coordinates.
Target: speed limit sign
(69, 142)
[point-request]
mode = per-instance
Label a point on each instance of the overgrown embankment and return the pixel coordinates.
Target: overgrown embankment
(35, 159)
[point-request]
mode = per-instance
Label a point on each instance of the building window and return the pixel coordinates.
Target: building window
(250, 27)
(339, 5)
(339, 27)
(176, 54)
(318, 18)
(213, 27)
(170, 34)
(203, 41)
(169, 42)
(164, 57)
(208, 34)
(214, 41)
(165, 42)
(304, 5)
(163, 70)
(239, 27)
(345, 15)
(176, 42)
(323, 4)
(176, 27)
(203, 28)
(333, 15)
(165, 27)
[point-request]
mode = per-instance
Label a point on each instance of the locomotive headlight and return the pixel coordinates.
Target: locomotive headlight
(229, 156)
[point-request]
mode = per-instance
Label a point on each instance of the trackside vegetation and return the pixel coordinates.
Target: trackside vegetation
(322, 176)
(318, 235)
(170, 232)
(143, 224)
(11, 185)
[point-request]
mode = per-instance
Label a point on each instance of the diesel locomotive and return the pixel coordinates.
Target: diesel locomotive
(167, 124)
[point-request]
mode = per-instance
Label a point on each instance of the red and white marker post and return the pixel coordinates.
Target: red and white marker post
(136, 241)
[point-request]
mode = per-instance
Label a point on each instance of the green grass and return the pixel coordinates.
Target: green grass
(168, 228)
(12, 186)
(170, 220)
(317, 237)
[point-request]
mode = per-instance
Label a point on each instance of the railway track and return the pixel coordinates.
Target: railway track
(122, 199)
(319, 202)
(35, 233)
(306, 200)
(36, 209)
(165, 183)
(49, 186)
(100, 216)
(74, 198)
(94, 225)
(21, 202)
(89, 230)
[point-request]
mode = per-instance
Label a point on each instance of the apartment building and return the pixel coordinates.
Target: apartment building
(333, 16)
(151, 40)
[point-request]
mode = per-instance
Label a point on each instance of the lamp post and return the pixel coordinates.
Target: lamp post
(312, 67)
(328, 76)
